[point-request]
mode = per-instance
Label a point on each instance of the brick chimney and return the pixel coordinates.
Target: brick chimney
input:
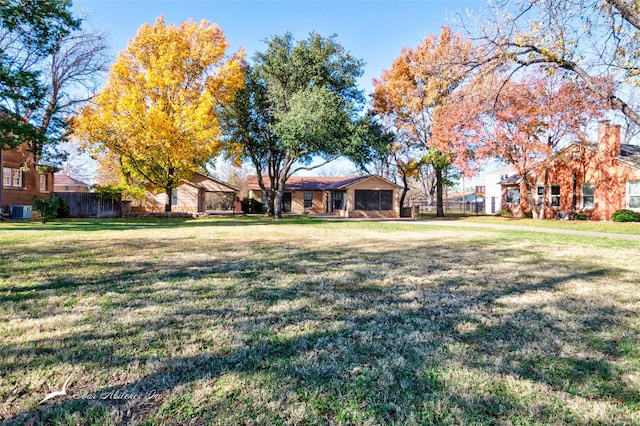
(609, 140)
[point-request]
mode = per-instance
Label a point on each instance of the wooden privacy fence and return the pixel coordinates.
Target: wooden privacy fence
(88, 204)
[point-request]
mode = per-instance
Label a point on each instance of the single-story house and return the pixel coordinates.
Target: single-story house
(593, 179)
(199, 194)
(22, 181)
(65, 183)
(363, 196)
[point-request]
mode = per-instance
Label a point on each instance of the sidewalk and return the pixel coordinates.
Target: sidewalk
(462, 224)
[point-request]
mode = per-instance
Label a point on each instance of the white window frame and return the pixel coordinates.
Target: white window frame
(6, 177)
(11, 178)
(635, 195)
(43, 183)
(553, 197)
(17, 178)
(583, 196)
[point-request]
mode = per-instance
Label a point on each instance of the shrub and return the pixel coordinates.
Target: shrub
(47, 208)
(625, 215)
(63, 210)
(506, 213)
(251, 205)
(580, 216)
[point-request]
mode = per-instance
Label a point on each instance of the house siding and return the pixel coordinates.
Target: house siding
(493, 190)
(191, 196)
(373, 184)
(188, 197)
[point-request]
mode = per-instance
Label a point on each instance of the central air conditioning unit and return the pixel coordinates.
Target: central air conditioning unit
(20, 212)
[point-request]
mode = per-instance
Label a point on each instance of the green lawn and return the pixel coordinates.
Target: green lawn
(632, 228)
(301, 321)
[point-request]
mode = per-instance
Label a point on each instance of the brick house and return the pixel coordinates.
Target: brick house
(593, 179)
(22, 181)
(364, 196)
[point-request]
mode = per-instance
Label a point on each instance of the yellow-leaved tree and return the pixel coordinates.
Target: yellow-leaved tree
(158, 111)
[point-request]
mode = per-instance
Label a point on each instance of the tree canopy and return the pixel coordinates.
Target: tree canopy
(159, 111)
(419, 84)
(30, 31)
(596, 40)
(300, 102)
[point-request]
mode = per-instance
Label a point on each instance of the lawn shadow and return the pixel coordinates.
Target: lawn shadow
(354, 332)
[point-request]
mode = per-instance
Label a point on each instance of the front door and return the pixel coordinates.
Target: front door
(286, 202)
(493, 204)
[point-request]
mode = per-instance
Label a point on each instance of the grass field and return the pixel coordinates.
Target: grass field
(301, 321)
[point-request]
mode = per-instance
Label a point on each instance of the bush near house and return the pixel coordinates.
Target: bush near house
(251, 205)
(51, 208)
(47, 208)
(625, 215)
(580, 216)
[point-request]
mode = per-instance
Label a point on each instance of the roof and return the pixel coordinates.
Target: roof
(502, 170)
(211, 184)
(511, 180)
(66, 180)
(630, 154)
(317, 183)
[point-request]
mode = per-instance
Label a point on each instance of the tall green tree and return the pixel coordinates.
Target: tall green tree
(301, 101)
(248, 128)
(30, 32)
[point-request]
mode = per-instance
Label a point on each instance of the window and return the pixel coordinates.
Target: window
(6, 177)
(338, 200)
(587, 196)
(374, 200)
(512, 195)
(43, 182)
(555, 195)
(633, 191)
(308, 200)
(174, 197)
(11, 178)
(540, 196)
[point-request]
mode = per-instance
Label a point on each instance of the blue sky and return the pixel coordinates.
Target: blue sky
(374, 31)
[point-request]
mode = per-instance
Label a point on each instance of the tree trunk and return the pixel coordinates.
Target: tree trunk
(284, 175)
(405, 190)
(439, 191)
(530, 200)
(167, 204)
(271, 195)
(543, 206)
(278, 203)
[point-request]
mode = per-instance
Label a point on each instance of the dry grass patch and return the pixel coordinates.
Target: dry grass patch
(306, 322)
